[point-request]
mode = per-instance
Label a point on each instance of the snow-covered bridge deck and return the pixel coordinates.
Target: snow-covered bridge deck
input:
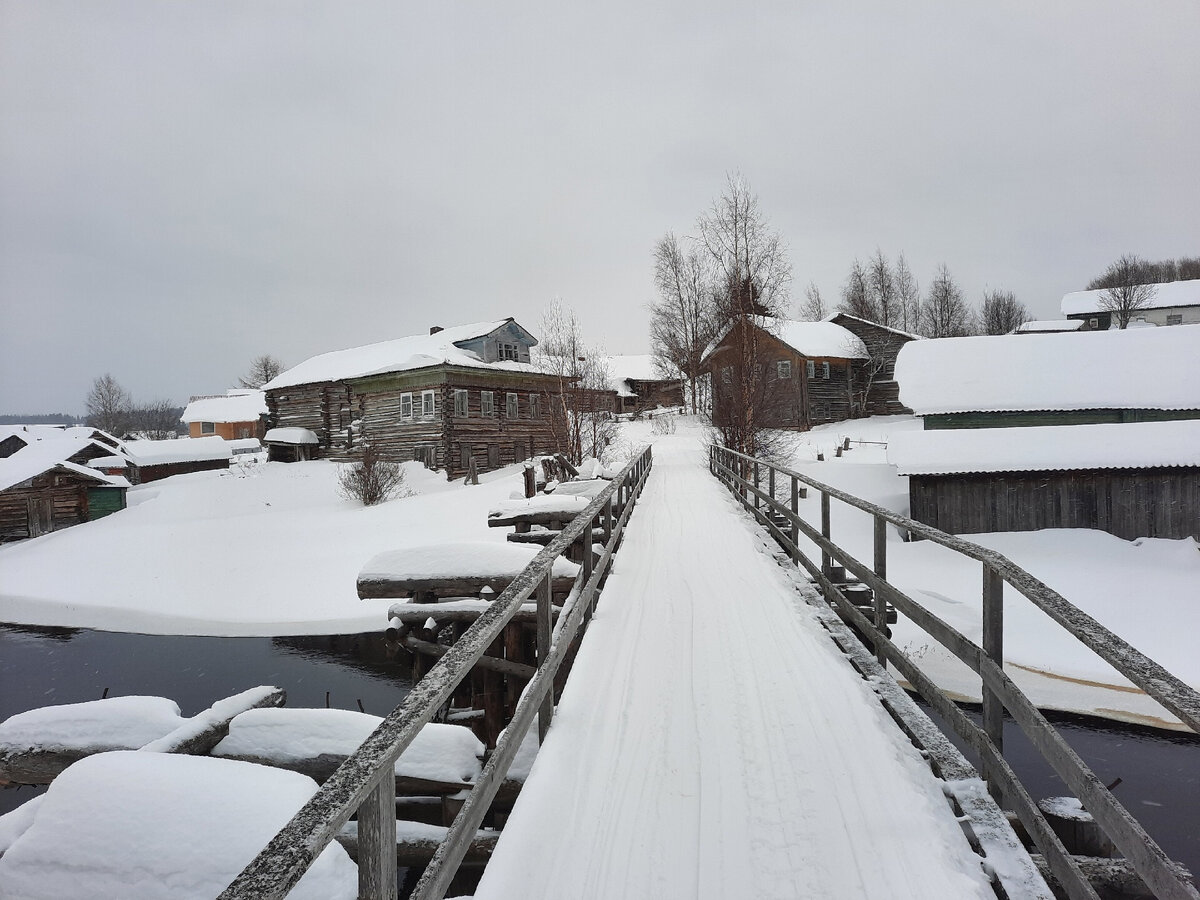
(713, 742)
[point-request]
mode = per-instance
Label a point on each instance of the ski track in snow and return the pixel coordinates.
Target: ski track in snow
(712, 742)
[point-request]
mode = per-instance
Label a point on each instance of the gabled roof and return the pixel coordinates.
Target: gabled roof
(414, 352)
(236, 406)
(41, 456)
(637, 367)
(1046, 448)
(812, 339)
(1146, 368)
(1174, 293)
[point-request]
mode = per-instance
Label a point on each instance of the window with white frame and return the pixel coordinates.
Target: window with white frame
(810, 368)
(406, 410)
(460, 402)
(511, 406)
(487, 403)
(535, 406)
(825, 370)
(509, 351)
(429, 403)
(783, 368)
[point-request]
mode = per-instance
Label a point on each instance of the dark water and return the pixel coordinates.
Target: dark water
(1159, 771)
(44, 667)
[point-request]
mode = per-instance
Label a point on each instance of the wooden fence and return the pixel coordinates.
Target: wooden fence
(365, 785)
(756, 482)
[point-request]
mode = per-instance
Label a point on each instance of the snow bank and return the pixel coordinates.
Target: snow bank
(147, 825)
(291, 436)
(439, 752)
(1089, 370)
(570, 505)
(112, 723)
(474, 559)
(1046, 448)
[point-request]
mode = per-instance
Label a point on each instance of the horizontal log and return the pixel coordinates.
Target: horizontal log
(460, 586)
(1110, 875)
(559, 517)
(517, 670)
(319, 768)
(545, 537)
(419, 613)
(413, 851)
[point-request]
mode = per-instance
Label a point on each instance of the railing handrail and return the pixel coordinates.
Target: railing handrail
(998, 690)
(1167, 689)
(277, 868)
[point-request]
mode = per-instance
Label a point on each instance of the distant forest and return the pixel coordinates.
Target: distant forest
(42, 419)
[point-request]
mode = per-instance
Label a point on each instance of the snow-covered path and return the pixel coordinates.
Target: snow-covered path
(711, 742)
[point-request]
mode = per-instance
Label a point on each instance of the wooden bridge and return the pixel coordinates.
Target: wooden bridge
(727, 732)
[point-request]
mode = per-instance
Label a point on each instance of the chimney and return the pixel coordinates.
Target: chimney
(434, 329)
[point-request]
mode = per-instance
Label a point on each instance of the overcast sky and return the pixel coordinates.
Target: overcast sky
(184, 186)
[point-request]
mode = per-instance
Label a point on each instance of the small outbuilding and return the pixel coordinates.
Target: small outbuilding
(152, 460)
(291, 444)
(639, 384)
(236, 415)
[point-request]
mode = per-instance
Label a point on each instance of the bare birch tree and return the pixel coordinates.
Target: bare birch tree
(856, 295)
(1002, 312)
(908, 296)
(682, 322)
(262, 369)
(882, 285)
(1126, 288)
(946, 312)
(813, 308)
(108, 405)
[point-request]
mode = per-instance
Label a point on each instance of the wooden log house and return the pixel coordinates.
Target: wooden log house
(1074, 430)
(46, 485)
(875, 389)
(804, 376)
(445, 398)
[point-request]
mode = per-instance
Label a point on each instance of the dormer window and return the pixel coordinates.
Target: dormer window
(509, 351)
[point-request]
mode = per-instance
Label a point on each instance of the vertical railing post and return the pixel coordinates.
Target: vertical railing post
(771, 484)
(544, 632)
(826, 559)
(587, 562)
(880, 569)
(377, 877)
(608, 520)
(993, 648)
(795, 520)
(756, 488)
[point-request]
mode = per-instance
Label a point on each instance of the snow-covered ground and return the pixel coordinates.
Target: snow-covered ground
(1144, 590)
(264, 549)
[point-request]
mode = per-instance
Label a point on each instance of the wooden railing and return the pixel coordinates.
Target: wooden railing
(756, 482)
(365, 784)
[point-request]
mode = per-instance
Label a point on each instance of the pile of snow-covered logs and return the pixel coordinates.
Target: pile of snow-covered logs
(252, 728)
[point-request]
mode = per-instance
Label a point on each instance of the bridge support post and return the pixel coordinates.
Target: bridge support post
(993, 648)
(544, 632)
(377, 876)
(880, 568)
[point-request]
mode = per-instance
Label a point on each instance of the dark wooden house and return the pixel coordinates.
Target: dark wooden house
(801, 373)
(638, 385)
(153, 460)
(1088, 430)
(875, 389)
(45, 486)
(456, 394)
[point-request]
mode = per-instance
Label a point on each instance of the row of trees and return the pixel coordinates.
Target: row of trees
(889, 294)
(1133, 269)
(111, 408)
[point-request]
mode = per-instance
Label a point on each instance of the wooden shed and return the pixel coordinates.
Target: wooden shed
(42, 490)
(876, 391)
(153, 460)
(1132, 480)
(456, 394)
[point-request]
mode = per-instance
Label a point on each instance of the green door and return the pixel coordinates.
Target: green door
(104, 500)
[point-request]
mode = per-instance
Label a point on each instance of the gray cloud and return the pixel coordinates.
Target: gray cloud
(185, 186)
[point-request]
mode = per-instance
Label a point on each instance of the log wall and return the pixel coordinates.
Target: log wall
(1127, 503)
(62, 498)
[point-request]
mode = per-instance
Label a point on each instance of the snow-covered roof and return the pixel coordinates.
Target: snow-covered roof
(1175, 293)
(290, 435)
(236, 406)
(1046, 448)
(1149, 368)
(473, 559)
(156, 453)
(414, 352)
(42, 455)
(1050, 325)
(812, 339)
(636, 367)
